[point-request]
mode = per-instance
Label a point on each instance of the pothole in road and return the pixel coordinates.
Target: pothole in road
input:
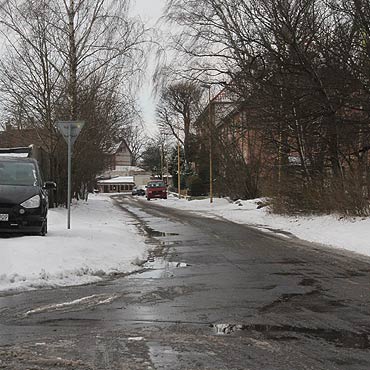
(178, 264)
(308, 282)
(293, 300)
(287, 273)
(339, 338)
(225, 329)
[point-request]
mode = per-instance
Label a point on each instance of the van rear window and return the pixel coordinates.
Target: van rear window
(157, 184)
(18, 173)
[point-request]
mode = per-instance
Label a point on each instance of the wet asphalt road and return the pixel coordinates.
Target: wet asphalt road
(213, 295)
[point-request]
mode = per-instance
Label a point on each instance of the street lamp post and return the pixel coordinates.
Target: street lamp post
(210, 143)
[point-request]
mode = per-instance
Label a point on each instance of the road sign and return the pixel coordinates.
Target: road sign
(72, 128)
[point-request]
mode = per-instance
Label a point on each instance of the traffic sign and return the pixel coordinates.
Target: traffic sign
(70, 131)
(72, 128)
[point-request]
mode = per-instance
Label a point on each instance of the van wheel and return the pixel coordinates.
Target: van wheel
(44, 228)
(147, 198)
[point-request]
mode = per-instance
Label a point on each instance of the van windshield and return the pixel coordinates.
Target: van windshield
(18, 173)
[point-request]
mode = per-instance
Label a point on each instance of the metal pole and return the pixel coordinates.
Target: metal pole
(69, 176)
(162, 161)
(178, 169)
(210, 148)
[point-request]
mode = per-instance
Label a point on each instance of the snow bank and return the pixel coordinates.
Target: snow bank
(100, 242)
(351, 234)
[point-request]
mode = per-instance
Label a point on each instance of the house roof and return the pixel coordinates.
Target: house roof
(20, 138)
(19, 152)
(116, 147)
(128, 169)
(222, 104)
(118, 180)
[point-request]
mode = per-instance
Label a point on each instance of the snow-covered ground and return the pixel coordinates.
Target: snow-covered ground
(352, 234)
(102, 240)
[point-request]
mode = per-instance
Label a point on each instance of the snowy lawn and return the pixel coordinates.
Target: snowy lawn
(352, 234)
(99, 243)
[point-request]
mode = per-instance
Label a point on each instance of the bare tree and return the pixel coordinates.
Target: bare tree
(302, 65)
(136, 138)
(70, 59)
(177, 109)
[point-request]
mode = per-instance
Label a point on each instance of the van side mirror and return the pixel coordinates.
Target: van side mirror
(50, 185)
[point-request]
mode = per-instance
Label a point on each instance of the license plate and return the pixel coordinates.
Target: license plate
(4, 217)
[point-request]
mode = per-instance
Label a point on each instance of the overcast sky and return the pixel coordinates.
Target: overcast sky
(149, 11)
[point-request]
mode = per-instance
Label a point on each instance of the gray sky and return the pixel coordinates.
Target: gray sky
(149, 11)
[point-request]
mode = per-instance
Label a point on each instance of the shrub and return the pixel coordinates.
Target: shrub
(333, 195)
(196, 186)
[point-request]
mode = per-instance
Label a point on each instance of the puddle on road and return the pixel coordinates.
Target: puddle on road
(161, 263)
(158, 267)
(154, 233)
(80, 303)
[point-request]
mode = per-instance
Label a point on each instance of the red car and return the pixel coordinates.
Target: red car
(156, 189)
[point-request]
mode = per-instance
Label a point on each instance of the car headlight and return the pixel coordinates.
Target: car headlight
(33, 202)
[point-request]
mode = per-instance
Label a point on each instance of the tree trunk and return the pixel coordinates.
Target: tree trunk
(72, 83)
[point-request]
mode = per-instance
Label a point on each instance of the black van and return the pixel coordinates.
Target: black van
(23, 196)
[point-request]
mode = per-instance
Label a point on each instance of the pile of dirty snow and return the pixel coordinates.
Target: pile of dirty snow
(101, 241)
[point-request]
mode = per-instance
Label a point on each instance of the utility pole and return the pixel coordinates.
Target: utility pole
(178, 168)
(162, 160)
(210, 148)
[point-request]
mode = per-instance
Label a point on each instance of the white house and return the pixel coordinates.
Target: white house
(116, 184)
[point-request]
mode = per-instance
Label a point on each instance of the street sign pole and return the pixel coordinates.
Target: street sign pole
(69, 130)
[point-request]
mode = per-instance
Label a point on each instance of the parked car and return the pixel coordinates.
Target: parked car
(138, 191)
(141, 191)
(23, 196)
(156, 189)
